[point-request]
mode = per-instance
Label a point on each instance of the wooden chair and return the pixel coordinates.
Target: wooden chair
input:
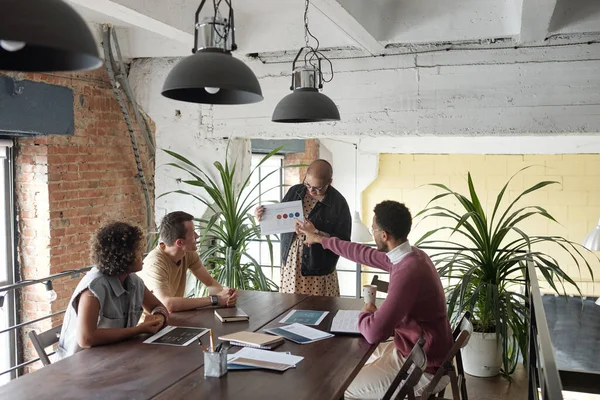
(410, 373)
(382, 286)
(43, 340)
(461, 334)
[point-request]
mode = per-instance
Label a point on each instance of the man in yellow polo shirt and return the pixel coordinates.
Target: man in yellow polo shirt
(165, 267)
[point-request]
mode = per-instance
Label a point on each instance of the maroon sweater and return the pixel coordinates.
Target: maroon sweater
(415, 304)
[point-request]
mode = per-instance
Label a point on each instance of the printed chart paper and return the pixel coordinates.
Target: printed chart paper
(306, 317)
(176, 335)
(281, 217)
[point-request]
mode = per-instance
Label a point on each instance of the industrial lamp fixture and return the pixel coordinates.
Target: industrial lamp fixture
(592, 241)
(360, 233)
(306, 103)
(212, 75)
(45, 36)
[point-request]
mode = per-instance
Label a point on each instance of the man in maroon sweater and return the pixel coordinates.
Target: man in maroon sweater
(415, 305)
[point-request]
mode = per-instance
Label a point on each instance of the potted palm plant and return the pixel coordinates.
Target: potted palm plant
(484, 264)
(229, 226)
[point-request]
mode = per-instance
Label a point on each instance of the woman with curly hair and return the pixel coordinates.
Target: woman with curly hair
(109, 300)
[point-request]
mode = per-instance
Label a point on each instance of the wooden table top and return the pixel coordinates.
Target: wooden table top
(327, 369)
(133, 370)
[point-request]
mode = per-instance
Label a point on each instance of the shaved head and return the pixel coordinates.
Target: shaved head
(321, 170)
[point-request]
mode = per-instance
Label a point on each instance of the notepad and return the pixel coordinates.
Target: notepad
(264, 359)
(299, 333)
(345, 321)
(252, 339)
(231, 314)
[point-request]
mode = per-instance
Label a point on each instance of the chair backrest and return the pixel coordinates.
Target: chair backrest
(43, 340)
(461, 335)
(382, 286)
(410, 373)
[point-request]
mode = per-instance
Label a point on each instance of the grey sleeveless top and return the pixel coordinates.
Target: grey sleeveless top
(120, 307)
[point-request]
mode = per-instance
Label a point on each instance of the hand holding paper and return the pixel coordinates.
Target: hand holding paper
(280, 218)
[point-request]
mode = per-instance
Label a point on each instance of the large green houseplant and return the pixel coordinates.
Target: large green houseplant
(229, 227)
(485, 263)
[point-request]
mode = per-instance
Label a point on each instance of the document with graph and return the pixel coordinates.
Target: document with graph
(281, 217)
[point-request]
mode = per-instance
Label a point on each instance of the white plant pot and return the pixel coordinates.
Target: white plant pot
(482, 356)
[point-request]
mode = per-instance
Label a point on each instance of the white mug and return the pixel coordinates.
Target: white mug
(369, 293)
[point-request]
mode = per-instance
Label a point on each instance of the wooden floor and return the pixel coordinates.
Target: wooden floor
(497, 388)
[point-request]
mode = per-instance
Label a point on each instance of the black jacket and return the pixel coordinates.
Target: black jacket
(332, 216)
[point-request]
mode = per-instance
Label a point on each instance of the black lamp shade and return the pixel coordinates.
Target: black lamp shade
(306, 105)
(212, 68)
(56, 37)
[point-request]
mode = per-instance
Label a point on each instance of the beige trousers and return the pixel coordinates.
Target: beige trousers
(377, 375)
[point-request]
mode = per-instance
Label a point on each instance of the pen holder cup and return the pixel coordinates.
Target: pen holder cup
(215, 364)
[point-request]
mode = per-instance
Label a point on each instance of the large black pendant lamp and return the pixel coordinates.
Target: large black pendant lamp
(44, 36)
(306, 103)
(212, 75)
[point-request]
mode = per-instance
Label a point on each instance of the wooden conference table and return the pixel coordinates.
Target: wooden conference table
(133, 370)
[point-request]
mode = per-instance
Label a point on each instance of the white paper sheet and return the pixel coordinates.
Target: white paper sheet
(345, 321)
(280, 217)
(266, 355)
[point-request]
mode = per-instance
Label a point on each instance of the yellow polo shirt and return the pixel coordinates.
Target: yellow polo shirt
(160, 272)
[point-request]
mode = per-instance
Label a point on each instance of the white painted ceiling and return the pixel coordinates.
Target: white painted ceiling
(163, 28)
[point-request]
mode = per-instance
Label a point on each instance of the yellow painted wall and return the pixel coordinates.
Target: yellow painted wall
(574, 203)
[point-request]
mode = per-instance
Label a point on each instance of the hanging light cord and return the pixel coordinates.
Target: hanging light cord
(313, 52)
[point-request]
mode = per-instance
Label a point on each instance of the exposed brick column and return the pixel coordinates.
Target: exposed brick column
(66, 186)
(293, 176)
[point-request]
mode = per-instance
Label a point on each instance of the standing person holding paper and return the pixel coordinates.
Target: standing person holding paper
(311, 270)
(415, 305)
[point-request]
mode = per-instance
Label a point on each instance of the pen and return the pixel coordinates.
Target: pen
(203, 346)
(218, 349)
(212, 342)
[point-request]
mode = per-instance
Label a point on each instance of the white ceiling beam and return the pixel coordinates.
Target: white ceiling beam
(349, 25)
(132, 18)
(535, 20)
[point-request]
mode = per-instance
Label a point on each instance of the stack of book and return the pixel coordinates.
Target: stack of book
(253, 339)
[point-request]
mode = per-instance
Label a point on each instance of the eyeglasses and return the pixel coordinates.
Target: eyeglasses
(315, 188)
(373, 230)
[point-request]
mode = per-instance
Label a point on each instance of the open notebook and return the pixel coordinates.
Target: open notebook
(345, 321)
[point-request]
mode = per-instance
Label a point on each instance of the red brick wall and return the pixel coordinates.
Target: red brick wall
(293, 176)
(65, 186)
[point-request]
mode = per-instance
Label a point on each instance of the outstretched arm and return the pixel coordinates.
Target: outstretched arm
(352, 251)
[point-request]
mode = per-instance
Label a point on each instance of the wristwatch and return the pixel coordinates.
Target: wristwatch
(214, 300)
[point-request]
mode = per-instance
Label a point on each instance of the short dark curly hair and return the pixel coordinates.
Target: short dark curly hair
(116, 246)
(394, 218)
(172, 227)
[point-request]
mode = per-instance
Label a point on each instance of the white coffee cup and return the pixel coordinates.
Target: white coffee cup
(369, 293)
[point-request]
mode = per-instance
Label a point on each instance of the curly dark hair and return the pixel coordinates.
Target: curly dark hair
(172, 227)
(394, 218)
(115, 247)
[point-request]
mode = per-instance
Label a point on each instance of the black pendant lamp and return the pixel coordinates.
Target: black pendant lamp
(44, 36)
(306, 103)
(212, 75)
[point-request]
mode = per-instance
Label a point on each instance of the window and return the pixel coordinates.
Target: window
(7, 312)
(269, 190)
